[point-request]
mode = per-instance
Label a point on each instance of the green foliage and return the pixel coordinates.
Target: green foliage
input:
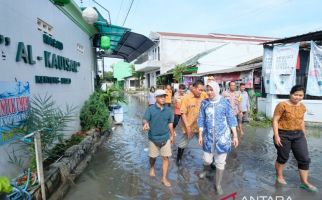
(177, 73)
(5, 186)
(50, 120)
(260, 120)
(162, 80)
(94, 113)
(15, 159)
(56, 152)
(252, 103)
(113, 95)
(138, 75)
(108, 76)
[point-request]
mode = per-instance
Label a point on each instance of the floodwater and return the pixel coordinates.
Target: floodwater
(120, 169)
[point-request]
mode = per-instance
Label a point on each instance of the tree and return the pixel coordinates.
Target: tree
(177, 73)
(108, 76)
(138, 75)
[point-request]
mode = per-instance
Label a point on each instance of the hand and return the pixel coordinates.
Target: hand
(189, 132)
(240, 114)
(235, 142)
(277, 140)
(171, 139)
(146, 127)
(200, 140)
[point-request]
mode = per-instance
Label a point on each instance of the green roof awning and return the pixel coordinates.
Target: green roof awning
(123, 43)
(114, 32)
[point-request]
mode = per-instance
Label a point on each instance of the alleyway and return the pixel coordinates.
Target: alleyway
(120, 169)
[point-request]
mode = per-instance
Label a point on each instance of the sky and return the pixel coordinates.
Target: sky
(271, 18)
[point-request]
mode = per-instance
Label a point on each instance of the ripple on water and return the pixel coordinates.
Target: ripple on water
(120, 169)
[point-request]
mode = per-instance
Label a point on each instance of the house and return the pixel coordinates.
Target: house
(304, 56)
(178, 48)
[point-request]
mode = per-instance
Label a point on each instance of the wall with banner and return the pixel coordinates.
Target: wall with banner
(314, 81)
(267, 66)
(285, 66)
(283, 71)
(38, 59)
(14, 103)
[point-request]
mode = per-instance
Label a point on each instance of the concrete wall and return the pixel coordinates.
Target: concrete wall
(18, 20)
(313, 108)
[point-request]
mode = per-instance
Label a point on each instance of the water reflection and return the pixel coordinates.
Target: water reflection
(120, 169)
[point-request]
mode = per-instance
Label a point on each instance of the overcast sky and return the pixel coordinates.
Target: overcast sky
(276, 18)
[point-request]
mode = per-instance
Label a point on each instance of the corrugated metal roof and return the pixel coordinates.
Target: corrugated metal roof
(218, 36)
(315, 36)
(185, 35)
(234, 69)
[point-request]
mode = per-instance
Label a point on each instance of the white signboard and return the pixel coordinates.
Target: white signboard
(283, 72)
(314, 81)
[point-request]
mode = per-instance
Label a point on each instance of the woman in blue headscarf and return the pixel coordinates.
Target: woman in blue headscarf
(216, 121)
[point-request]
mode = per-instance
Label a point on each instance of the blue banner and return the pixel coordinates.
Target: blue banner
(14, 104)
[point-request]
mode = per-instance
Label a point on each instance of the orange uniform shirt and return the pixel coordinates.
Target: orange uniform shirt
(169, 96)
(190, 105)
(292, 116)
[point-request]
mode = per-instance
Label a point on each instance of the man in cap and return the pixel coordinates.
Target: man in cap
(158, 121)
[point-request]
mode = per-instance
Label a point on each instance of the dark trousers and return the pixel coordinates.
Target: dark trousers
(296, 141)
(176, 120)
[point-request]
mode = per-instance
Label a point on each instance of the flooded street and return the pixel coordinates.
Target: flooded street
(120, 169)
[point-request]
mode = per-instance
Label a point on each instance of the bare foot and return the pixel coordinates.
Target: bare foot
(165, 182)
(281, 180)
(152, 173)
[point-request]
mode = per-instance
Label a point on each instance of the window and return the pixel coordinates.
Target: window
(44, 27)
(80, 48)
(134, 83)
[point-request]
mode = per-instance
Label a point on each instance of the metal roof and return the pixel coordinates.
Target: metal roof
(235, 69)
(114, 32)
(315, 36)
(124, 43)
(194, 60)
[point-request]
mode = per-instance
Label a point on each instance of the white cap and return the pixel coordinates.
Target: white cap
(160, 92)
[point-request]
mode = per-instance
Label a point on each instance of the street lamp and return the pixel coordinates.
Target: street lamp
(90, 15)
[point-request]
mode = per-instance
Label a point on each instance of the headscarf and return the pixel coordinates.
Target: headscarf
(216, 89)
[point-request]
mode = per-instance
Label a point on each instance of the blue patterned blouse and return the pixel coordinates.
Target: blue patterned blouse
(216, 118)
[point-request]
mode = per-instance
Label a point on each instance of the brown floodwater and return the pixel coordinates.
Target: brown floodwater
(120, 169)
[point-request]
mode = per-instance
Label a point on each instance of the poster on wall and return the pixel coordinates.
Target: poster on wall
(314, 80)
(267, 65)
(247, 78)
(14, 103)
(283, 72)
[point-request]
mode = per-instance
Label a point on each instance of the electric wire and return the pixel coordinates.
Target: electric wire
(127, 14)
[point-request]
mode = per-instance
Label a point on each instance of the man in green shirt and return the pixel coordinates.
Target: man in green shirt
(158, 121)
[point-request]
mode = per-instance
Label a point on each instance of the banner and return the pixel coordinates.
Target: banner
(14, 103)
(283, 72)
(314, 80)
(267, 66)
(247, 78)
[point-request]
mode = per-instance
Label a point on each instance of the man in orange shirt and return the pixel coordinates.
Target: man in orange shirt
(189, 109)
(177, 104)
(168, 92)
